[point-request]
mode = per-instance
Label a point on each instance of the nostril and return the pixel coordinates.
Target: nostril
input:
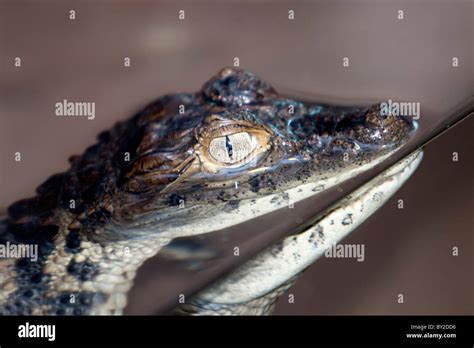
(383, 129)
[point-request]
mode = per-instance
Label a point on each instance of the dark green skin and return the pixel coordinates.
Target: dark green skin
(116, 196)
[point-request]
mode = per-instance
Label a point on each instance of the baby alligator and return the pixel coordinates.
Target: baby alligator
(189, 164)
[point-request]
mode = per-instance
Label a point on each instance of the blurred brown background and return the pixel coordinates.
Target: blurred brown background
(407, 251)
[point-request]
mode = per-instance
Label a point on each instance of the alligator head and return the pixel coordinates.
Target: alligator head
(236, 150)
(187, 164)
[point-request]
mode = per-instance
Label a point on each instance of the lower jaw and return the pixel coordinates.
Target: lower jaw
(279, 263)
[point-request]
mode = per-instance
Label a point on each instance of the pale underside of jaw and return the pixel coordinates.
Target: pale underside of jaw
(281, 262)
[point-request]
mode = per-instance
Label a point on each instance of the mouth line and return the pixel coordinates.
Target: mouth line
(206, 221)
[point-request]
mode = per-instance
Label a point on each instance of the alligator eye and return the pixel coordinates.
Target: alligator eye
(228, 146)
(232, 148)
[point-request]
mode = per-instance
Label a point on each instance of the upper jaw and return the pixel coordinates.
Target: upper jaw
(353, 129)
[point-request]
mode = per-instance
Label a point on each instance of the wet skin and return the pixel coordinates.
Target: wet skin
(187, 164)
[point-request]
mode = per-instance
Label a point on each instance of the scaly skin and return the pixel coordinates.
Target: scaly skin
(171, 171)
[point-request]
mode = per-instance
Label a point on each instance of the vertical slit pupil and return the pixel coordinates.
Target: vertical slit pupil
(228, 145)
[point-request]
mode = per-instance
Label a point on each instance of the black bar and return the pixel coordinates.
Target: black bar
(314, 330)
